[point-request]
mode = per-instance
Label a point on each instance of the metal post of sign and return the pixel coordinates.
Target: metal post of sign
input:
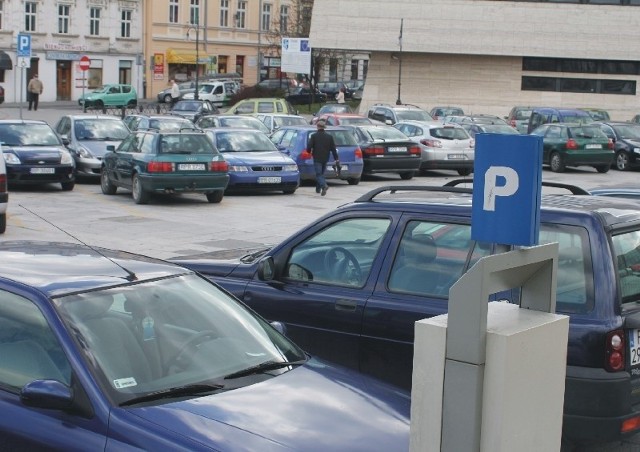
(21, 86)
(84, 83)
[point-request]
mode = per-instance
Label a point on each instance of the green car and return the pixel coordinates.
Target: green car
(115, 95)
(152, 161)
(566, 144)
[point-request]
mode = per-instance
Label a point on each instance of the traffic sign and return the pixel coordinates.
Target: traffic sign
(24, 45)
(85, 63)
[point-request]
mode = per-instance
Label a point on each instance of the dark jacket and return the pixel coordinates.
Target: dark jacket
(320, 144)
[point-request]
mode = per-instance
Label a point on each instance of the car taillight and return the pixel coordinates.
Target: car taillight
(160, 167)
(306, 155)
(571, 144)
(414, 150)
(220, 165)
(614, 351)
(630, 425)
(358, 153)
(374, 150)
(431, 143)
(610, 144)
(3, 182)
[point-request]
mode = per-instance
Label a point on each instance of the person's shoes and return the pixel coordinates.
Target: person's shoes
(317, 190)
(29, 109)
(324, 190)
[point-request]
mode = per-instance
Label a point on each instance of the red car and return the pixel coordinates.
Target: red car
(341, 119)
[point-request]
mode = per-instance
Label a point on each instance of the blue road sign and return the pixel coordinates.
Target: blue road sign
(24, 45)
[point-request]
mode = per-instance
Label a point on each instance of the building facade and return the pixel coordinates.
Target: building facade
(61, 32)
(488, 55)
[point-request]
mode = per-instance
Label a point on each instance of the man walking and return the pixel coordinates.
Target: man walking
(320, 145)
(34, 89)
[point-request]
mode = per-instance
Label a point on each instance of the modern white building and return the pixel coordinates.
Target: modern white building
(109, 32)
(488, 55)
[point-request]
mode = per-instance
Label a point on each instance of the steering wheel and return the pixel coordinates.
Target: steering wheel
(193, 341)
(342, 266)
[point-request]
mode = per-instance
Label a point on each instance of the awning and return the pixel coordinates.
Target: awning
(181, 56)
(5, 61)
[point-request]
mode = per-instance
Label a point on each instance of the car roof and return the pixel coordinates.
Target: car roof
(57, 268)
(93, 116)
(22, 121)
(430, 124)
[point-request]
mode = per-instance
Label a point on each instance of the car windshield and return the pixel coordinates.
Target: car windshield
(100, 129)
(186, 106)
(354, 120)
(243, 121)
(413, 115)
(630, 132)
(242, 142)
(384, 133)
(450, 133)
(586, 132)
(172, 338)
(281, 121)
(28, 134)
(101, 89)
(170, 124)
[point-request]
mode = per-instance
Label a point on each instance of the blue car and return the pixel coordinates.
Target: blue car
(105, 350)
(255, 163)
(293, 141)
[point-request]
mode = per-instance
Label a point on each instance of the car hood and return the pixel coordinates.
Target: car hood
(313, 407)
(98, 148)
(184, 114)
(35, 152)
(258, 158)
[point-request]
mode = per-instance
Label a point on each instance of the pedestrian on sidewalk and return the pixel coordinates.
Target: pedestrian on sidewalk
(320, 145)
(175, 92)
(34, 89)
(340, 96)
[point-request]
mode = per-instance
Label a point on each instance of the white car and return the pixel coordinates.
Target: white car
(4, 194)
(444, 146)
(218, 93)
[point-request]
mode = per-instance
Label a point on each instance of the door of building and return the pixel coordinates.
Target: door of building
(63, 80)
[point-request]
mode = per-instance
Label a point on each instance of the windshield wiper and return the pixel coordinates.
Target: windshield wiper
(263, 367)
(251, 257)
(178, 391)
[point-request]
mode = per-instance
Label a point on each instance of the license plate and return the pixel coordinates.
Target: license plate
(455, 156)
(191, 167)
(43, 170)
(593, 146)
(397, 149)
(269, 180)
(634, 347)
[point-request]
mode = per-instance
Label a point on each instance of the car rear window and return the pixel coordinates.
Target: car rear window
(523, 114)
(627, 254)
(450, 133)
(342, 137)
(577, 118)
(265, 107)
(413, 115)
(586, 132)
(384, 133)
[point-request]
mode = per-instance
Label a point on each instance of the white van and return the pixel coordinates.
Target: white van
(218, 93)
(4, 194)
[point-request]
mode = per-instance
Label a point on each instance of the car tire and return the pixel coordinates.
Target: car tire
(139, 195)
(99, 104)
(215, 197)
(132, 103)
(3, 222)
(622, 161)
(407, 175)
(353, 180)
(167, 99)
(67, 186)
(464, 171)
(556, 163)
(105, 184)
(603, 168)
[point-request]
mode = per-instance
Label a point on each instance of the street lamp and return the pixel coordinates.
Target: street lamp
(398, 101)
(196, 27)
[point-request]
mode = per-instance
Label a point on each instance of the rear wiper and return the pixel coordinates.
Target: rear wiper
(178, 391)
(263, 367)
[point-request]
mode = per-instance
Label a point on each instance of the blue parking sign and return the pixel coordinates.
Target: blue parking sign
(24, 45)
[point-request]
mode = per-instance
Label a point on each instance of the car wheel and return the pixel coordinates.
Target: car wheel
(132, 103)
(105, 184)
(215, 197)
(139, 195)
(3, 223)
(464, 172)
(99, 104)
(622, 161)
(167, 99)
(407, 175)
(67, 186)
(603, 168)
(289, 191)
(556, 163)
(353, 180)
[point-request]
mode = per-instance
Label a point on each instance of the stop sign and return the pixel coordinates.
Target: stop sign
(85, 62)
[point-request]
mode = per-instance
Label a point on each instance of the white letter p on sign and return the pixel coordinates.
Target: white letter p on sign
(492, 189)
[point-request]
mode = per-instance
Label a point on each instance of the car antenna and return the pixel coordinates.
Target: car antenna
(131, 276)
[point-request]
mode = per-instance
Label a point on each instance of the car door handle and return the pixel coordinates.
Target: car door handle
(346, 305)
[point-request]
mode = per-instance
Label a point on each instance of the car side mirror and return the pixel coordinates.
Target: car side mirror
(266, 269)
(47, 394)
(65, 140)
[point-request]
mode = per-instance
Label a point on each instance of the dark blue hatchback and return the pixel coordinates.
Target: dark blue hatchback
(105, 350)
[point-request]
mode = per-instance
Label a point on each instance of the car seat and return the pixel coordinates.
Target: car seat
(414, 271)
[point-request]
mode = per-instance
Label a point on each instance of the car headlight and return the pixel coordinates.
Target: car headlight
(65, 158)
(11, 158)
(238, 169)
(636, 150)
(290, 168)
(84, 152)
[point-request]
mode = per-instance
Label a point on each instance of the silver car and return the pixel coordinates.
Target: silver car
(87, 137)
(444, 146)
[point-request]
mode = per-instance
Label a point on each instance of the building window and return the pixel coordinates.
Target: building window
(579, 85)
(30, 12)
(125, 25)
(240, 65)
(224, 13)
(94, 21)
(333, 69)
(63, 18)
(581, 66)
(173, 11)
(241, 15)
(265, 21)
(284, 18)
(194, 12)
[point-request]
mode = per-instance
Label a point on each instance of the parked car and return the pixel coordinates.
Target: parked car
(443, 146)
(390, 114)
(284, 84)
(218, 93)
(157, 122)
(626, 143)
(519, 117)
(164, 96)
(331, 89)
(274, 121)
(168, 162)
(87, 136)
(439, 113)
(354, 84)
(342, 287)
(474, 128)
(193, 109)
(598, 114)
(4, 196)
(331, 108)
(303, 95)
(575, 145)
(544, 115)
(106, 349)
(255, 163)
(112, 95)
(35, 155)
(475, 119)
(236, 121)
(345, 119)
(293, 141)
(262, 105)
(387, 150)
